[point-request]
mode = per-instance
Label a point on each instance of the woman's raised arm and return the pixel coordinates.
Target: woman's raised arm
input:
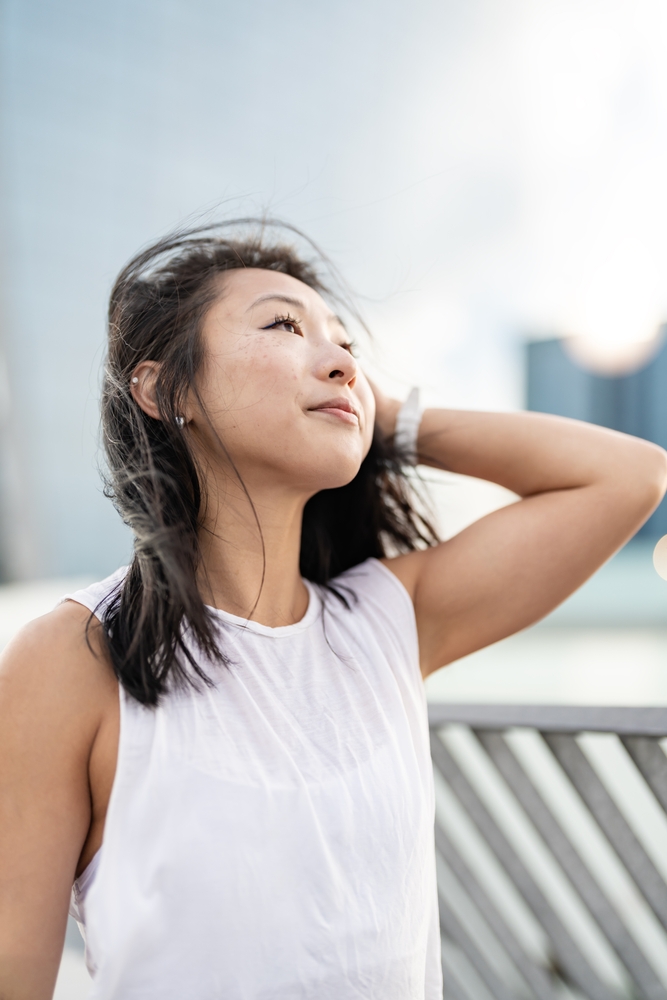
(584, 491)
(54, 699)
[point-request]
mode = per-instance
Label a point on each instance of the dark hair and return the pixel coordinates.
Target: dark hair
(157, 620)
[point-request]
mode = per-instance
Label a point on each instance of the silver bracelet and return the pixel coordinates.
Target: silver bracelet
(407, 427)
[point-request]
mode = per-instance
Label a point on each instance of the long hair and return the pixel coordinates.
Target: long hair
(156, 622)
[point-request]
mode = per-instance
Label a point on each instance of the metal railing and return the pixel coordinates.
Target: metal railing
(551, 844)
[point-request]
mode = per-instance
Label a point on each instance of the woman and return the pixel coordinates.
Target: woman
(269, 833)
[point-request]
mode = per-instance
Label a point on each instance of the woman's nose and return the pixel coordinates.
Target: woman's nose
(342, 367)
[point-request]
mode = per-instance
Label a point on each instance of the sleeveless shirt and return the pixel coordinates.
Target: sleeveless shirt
(271, 837)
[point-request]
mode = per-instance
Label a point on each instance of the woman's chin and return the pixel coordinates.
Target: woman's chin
(332, 475)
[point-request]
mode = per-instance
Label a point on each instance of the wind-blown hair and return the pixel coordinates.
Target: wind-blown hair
(156, 621)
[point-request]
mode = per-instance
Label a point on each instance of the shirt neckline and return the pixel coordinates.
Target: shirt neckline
(312, 612)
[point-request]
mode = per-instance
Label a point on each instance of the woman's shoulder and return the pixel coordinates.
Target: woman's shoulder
(372, 574)
(379, 615)
(64, 649)
(372, 584)
(57, 670)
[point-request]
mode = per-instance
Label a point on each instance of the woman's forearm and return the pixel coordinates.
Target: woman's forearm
(531, 453)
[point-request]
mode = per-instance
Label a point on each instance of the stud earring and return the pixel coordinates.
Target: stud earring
(180, 421)
(135, 380)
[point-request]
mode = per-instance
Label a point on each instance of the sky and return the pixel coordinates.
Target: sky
(481, 172)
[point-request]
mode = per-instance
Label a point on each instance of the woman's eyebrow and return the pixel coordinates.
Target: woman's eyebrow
(278, 298)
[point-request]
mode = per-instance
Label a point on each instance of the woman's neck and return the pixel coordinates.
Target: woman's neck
(250, 556)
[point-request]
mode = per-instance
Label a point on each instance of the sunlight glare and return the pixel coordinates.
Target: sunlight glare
(660, 557)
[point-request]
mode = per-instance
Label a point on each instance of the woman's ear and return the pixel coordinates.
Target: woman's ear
(142, 387)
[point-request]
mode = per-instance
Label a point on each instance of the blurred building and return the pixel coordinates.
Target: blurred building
(634, 402)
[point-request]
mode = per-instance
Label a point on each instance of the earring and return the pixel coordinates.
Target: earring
(135, 380)
(180, 421)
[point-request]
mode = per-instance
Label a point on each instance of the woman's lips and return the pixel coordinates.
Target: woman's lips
(335, 411)
(341, 409)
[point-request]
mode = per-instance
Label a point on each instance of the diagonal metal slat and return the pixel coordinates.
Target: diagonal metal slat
(611, 821)
(599, 906)
(453, 988)
(568, 953)
(536, 977)
(651, 721)
(651, 761)
(454, 930)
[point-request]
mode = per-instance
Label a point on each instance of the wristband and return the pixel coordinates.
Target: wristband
(407, 428)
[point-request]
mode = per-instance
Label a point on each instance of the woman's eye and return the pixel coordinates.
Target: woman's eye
(285, 323)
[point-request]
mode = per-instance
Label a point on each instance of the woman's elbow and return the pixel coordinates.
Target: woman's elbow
(649, 477)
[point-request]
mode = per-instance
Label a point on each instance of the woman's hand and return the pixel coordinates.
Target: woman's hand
(386, 411)
(585, 491)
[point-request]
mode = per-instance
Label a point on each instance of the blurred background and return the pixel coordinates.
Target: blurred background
(483, 173)
(490, 178)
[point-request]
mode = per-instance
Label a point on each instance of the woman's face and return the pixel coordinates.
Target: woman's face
(280, 386)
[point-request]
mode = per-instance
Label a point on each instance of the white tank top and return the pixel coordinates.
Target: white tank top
(271, 837)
